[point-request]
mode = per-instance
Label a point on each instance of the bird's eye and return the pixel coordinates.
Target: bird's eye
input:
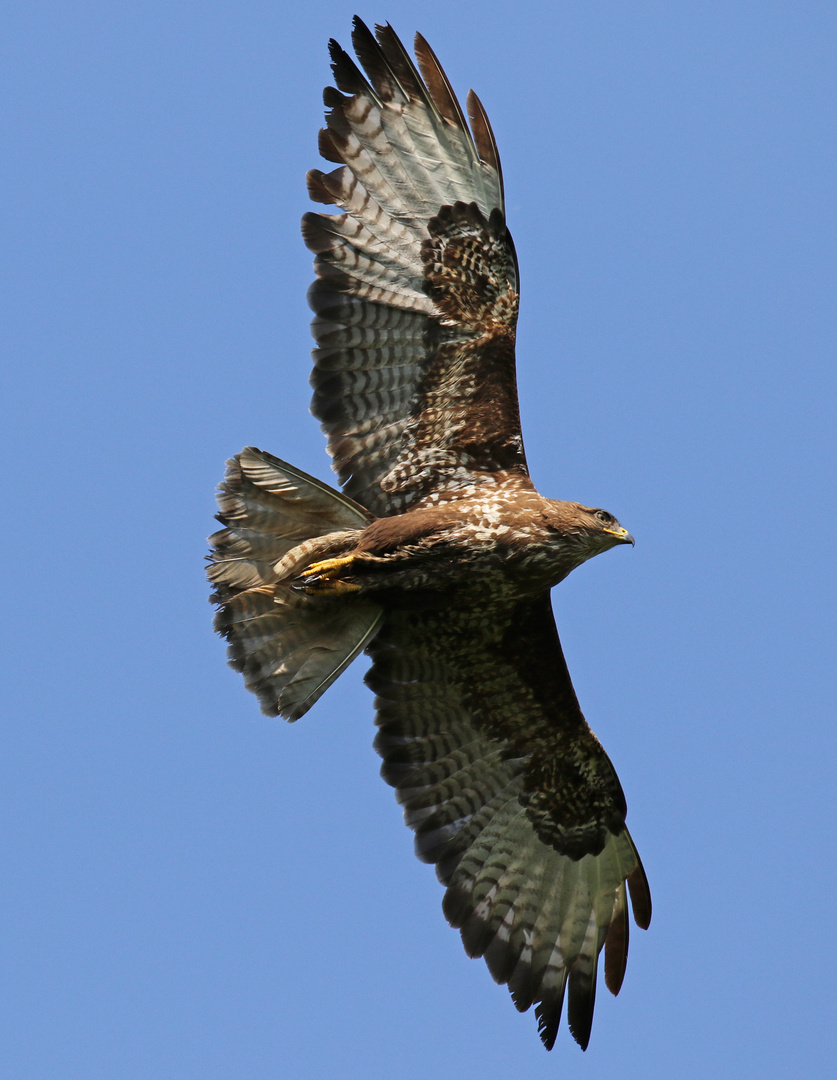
(604, 517)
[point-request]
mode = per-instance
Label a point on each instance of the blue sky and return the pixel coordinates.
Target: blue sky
(191, 890)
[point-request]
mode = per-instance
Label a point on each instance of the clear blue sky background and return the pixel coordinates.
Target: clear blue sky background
(191, 891)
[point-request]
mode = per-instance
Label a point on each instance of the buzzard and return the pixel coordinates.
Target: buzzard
(438, 556)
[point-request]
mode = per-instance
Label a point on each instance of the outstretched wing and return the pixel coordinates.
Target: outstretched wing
(417, 286)
(512, 797)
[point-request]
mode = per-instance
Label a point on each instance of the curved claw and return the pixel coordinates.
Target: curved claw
(323, 577)
(327, 569)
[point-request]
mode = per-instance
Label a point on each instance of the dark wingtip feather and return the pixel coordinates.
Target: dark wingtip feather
(616, 946)
(501, 957)
(457, 905)
(580, 1005)
(640, 896)
(348, 76)
(328, 148)
(484, 136)
(317, 191)
(549, 1019)
(401, 65)
(318, 233)
(441, 90)
(374, 61)
(365, 46)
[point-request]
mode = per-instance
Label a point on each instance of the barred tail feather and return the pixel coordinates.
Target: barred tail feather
(289, 646)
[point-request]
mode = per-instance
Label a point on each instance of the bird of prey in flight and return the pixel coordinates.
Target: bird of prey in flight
(438, 556)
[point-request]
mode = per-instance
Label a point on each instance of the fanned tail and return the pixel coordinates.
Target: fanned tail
(290, 646)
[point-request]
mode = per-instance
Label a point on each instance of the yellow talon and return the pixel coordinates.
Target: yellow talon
(322, 577)
(327, 568)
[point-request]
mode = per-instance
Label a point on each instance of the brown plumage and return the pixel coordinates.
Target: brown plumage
(439, 556)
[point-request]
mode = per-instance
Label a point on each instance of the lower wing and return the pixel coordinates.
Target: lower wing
(512, 797)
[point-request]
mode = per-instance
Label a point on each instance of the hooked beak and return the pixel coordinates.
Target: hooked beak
(622, 536)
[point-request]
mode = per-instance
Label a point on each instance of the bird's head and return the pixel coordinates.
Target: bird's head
(602, 528)
(585, 531)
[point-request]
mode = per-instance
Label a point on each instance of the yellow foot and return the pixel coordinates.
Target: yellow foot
(322, 577)
(327, 568)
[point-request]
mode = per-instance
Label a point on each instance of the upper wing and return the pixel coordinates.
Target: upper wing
(416, 290)
(513, 798)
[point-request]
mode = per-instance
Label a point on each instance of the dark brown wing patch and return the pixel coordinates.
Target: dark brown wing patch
(464, 418)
